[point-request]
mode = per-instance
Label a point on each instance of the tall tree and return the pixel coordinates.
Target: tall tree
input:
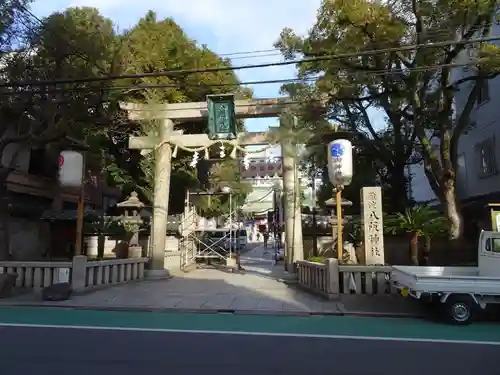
(412, 86)
(76, 43)
(13, 19)
(157, 45)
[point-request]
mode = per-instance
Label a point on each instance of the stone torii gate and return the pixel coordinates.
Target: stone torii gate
(167, 137)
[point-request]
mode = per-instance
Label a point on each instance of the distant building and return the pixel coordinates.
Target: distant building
(265, 173)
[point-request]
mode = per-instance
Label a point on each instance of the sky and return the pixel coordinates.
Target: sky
(225, 26)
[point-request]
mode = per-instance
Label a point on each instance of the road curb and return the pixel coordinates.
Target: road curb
(345, 312)
(170, 310)
(376, 314)
(341, 311)
(289, 281)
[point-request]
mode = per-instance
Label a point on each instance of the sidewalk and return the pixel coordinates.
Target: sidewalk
(256, 290)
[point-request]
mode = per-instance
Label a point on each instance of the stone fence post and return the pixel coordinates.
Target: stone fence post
(332, 272)
(79, 272)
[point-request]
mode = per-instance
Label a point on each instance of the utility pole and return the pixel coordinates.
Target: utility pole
(340, 241)
(314, 221)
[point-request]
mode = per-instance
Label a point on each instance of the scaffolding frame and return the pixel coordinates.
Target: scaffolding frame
(194, 244)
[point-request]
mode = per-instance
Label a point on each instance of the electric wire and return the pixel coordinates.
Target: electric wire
(174, 72)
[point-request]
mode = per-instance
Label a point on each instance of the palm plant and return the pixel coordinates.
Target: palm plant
(418, 221)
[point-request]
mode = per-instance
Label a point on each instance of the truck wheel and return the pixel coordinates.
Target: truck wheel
(460, 310)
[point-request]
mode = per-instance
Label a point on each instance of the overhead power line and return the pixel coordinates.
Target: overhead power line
(243, 67)
(132, 88)
(276, 52)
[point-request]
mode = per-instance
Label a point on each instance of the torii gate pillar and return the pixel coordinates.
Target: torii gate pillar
(163, 169)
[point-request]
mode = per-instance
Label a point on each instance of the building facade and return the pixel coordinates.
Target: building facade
(41, 214)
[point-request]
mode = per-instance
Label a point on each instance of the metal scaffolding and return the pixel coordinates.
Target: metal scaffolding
(197, 242)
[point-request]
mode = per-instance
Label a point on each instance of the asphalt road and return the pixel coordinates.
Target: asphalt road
(29, 350)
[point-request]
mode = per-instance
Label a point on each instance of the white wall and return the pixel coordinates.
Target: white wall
(22, 160)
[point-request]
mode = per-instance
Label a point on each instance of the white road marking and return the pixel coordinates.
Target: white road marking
(246, 333)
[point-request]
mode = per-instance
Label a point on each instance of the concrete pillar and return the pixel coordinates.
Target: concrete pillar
(163, 167)
(294, 248)
(79, 272)
(333, 273)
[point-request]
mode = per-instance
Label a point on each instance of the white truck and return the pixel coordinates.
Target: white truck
(458, 291)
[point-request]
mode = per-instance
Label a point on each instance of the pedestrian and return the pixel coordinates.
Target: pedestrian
(266, 238)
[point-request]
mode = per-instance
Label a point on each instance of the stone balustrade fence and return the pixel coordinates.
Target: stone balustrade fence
(330, 279)
(81, 273)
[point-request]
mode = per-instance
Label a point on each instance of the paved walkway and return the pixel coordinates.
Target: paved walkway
(254, 290)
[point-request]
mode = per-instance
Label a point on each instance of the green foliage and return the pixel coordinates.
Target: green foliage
(355, 229)
(414, 97)
(418, 221)
(75, 43)
(422, 220)
(154, 45)
(317, 259)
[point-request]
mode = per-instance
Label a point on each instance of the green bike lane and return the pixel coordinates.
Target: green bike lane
(312, 326)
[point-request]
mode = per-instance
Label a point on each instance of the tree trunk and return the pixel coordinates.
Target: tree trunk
(398, 187)
(427, 250)
(359, 248)
(414, 248)
(4, 215)
(452, 210)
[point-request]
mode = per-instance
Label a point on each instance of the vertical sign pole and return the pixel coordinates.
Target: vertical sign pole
(338, 196)
(80, 213)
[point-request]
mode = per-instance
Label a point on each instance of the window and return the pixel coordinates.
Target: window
(486, 156)
(461, 176)
(38, 163)
(484, 94)
(493, 245)
(470, 53)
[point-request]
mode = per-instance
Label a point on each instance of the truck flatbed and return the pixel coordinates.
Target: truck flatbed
(456, 280)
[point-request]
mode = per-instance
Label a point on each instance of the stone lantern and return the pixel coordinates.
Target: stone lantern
(132, 220)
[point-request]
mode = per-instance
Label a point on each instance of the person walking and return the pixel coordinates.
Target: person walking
(266, 238)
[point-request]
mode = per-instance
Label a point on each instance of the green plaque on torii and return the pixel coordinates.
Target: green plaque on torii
(221, 117)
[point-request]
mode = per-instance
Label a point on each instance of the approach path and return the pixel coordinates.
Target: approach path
(256, 289)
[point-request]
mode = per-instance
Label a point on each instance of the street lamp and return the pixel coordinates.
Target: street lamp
(339, 154)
